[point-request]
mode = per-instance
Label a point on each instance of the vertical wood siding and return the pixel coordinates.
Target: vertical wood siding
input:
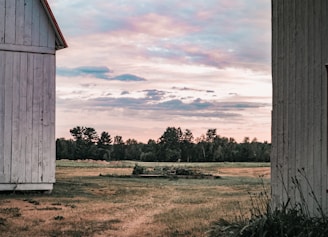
(2, 115)
(27, 96)
(8, 107)
(299, 117)
(2, 21)
(324, 108)
(24, 22)
(27, 118)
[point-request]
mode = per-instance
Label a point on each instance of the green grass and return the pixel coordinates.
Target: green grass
(200, 164)
(72, 163)
(131, 164)
(290, 219)
(178, 207)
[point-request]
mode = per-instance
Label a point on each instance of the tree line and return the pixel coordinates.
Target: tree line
(174, 145)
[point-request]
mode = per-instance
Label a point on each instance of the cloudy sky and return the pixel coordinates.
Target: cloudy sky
(133, 68)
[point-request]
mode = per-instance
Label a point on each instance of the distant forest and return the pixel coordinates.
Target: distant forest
(173, 146)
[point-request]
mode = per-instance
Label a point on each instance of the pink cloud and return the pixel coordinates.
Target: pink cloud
(160, 26)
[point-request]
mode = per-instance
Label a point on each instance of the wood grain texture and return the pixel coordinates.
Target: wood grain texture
(15, 142)
(324, 107)
(20, 21)
(299, 117)
(27, 49)
(274, 139)
(36, 24)
(2, 21)
(26, 22)
(29, 116)
(10, 22)
(28, 13)
(52, 118)
(27, 187)
(43, 31)
(36, 119)
(8, 115)
(304, 82)
(310, 114)
(22, 136)
(27, 96)
(46, 119)
(2, 113)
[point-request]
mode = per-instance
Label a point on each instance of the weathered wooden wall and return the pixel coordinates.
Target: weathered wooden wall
(25, 23)
(299, 117)
(27, 121)
(27, 96)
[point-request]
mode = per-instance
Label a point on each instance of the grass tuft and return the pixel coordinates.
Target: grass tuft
(289, 220)
(2, 221)
(11, 212)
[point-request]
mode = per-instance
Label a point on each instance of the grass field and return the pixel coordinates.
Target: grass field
(86, 204)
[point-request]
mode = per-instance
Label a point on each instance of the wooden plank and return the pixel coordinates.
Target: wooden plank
(307, 93)
(22, 116)
(317, 184)
(280, 116)
(324, 59)
(291, 99)
(273, 156)
(285, 98)
(52, 114)
(29, 117)
(304, 66)
(2, 112)
(46, 119)
(299, 96)
(277, 94)
(27, 187)
(10, 22)
(41, 142)
(36, 120)
(311, 91)
(20, 25)
(16, 165)
(2, 21)
(280, 134)
(36, 24)
(50, 107)
(28, 13)
(27, 49)
(43, 31)
(8, 115)
(51, 37)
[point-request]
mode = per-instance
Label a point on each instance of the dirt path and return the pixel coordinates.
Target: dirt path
(136, 226)
(84, 204)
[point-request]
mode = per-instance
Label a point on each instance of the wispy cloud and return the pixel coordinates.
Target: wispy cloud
(155, 103)
(154, 94)
(198, 64)
(127, 77)
(219, 34)
(192, 89)
(96, 72)
(125, 93)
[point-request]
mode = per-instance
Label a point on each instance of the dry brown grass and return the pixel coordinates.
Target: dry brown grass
(85, 204)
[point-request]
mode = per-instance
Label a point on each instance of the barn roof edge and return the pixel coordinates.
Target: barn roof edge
(60, 40)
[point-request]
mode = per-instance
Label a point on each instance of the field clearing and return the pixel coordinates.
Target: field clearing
(86, 204)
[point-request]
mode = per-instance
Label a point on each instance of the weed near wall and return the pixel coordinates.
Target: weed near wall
(289, 220)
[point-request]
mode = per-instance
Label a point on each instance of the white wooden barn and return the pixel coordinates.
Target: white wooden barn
(29, 38)
(299, 118)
